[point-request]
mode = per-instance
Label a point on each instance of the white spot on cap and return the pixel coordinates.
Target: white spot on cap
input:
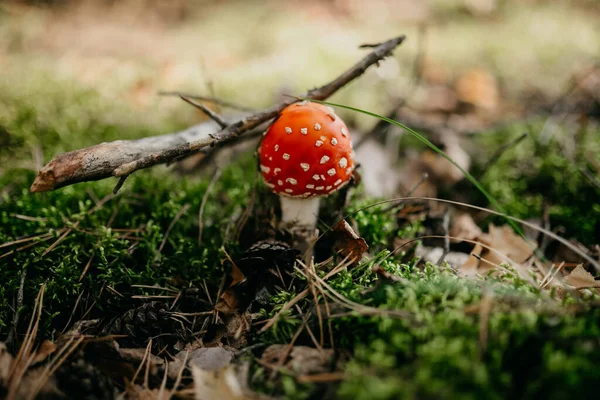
(276, 171)
(320, 187)
(307, 194)
(331, 115)
(318, 143)
(276, 147)
(330, 109)
(337, 182)
(269, 185)
(328, 187)
(291, 181)
(348, 171)
(302, 103)
(289, 191)
(310, 186)
(331, 172)
(317, 127)
(280, 182)
(343, 162)
(323, 138)
(322, 177)
(286, 156)
(288, 130)
(265, 169)
(304, 131)
(324, 159)
(305, 166)
(333, 141)
(344, 131)
(316, 177)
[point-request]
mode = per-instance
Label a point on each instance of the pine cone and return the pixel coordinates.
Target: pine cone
(81, 380)
(141, 323)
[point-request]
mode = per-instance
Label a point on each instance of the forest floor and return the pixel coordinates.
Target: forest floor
(182, 285)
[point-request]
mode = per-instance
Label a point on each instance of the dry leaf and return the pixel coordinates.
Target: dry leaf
(45, 349)
(210, 358)
(228, 302)
(348, 243)
(504, 240)
(225, 384)
(470, 267)
(303, 360)
(579, 278)
(465, 228)
(479, 88)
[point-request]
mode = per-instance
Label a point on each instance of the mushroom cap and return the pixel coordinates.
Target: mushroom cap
(306, 152)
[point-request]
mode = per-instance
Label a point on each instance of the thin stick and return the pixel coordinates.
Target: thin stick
(125, 157)
(211, 99)
(171, 225)
(209, 113)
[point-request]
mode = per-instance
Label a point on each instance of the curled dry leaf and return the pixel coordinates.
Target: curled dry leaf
(210, 358)
(504, 244)
(228, 302)
(226, 384)
(348, 243)
(504, 240)
(469, 268)
(464, 227)
(579, 278)
(45, 349)
(303, 360)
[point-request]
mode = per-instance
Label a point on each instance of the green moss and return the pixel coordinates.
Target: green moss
(539, 172)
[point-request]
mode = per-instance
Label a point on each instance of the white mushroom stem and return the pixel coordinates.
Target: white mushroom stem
(300, 212)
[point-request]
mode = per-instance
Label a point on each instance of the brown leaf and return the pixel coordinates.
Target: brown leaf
(580, 278)
(348, 243)
(226, 384)
(504, 240)
(45, 349)
(470, 267)
(479, 88)
(465, 228)
(303, 360)
(228, 302)
(210, 358)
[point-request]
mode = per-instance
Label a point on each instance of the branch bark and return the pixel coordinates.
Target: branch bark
(123, 157)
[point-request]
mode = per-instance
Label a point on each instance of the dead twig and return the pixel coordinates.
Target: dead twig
(122, 158)
(171, 225)
(211, 99)
(209, 113)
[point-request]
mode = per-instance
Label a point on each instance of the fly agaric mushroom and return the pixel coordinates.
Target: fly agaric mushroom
(305, 154)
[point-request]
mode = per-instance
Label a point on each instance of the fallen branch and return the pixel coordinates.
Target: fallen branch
(123, 157)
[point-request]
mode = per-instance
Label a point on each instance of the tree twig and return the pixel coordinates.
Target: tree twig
(209, 113)
(125, 157)
(211, 99)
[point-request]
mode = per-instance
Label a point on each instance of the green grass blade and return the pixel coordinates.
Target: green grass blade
(433, 147)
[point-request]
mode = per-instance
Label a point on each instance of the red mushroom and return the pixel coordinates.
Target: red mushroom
(305, 154)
